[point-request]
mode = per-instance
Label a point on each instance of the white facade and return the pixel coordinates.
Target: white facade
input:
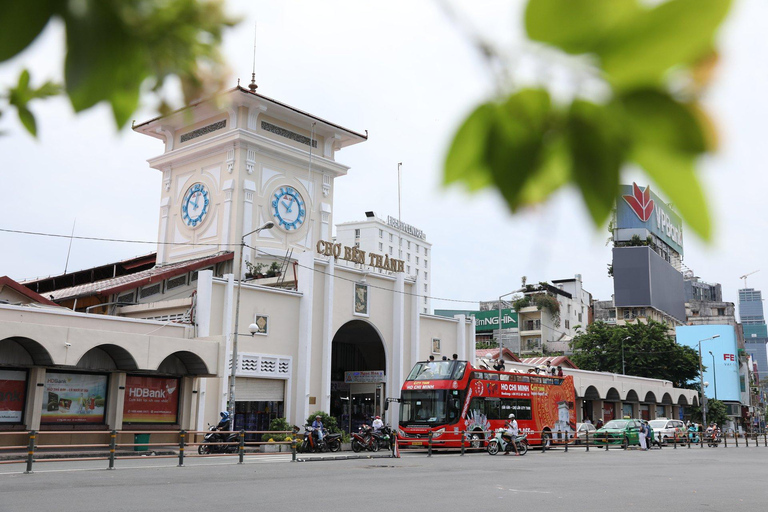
(380, 235)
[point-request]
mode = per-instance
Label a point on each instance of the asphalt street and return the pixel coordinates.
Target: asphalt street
(681, 480)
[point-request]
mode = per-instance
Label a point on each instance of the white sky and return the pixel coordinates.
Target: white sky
(402, 71)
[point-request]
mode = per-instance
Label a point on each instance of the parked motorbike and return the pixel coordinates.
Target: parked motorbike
(364, 439)
(213, 437)
(712, 437)
(693, 434)
(498, 443)
(384, 437)
(311, 443)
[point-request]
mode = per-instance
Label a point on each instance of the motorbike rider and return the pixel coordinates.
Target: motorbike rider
(511, 434)
(318, 426)
(225, 423)
(377, 424)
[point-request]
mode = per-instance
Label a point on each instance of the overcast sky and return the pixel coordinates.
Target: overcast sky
(402, 71)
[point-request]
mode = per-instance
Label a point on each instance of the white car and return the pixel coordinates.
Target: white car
(666, 431)
(582, 429)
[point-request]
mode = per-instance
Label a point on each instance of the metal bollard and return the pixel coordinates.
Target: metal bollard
(675, 443)
(30, 451)
(182, 437)
(293, 450)
(606, 442)
(543, 443)
(736, 437)
(463, 438)
(566, 442)
(765, 438)
(241, 447)
(725, 440)
(429, 445)
(112, 447)
(746, 440)
(587, 439)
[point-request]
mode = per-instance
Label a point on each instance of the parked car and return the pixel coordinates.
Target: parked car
(582, 430)
(666, 430)
(623, 432)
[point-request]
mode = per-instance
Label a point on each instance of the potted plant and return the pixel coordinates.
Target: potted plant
(254, 270)
(273, 270)
(280, 425)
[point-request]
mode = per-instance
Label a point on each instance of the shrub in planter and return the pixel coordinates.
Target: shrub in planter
(279, 424)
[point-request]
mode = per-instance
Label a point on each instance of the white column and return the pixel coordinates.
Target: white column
(34, 403)
(249, 191)
(226, 235)
(226, 353)
(416, 301)
(165, 208)
(116, 401)
(461, 337)
(203, 303)
(306, 276)
(395, 370)
(325, 392)
(473, 341)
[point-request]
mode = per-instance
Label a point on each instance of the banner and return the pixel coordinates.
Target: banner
(74, 398)
(13, 387)
(151, 400)
(486, 321)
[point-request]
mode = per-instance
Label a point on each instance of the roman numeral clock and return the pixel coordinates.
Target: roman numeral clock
(288, 208)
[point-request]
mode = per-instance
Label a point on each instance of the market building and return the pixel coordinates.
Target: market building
(245, 259)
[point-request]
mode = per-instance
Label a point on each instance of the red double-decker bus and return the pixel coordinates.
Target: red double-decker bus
(451, 397)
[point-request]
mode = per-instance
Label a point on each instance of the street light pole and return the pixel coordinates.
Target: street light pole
(623, 370)
(701, 382)
(233, 372)
(714, 372)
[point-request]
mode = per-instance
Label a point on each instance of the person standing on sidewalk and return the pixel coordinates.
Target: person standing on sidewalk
(641, 436)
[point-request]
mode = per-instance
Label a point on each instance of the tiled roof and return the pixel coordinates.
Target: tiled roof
(493, 353)
(555, 361)
(132, 281)
(23, 290)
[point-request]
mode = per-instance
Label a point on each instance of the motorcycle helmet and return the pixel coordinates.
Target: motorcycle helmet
(511, 416)
(378, 417)
(224, 414)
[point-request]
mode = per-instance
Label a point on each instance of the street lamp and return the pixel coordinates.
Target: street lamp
(233, 373)
(714, 372)
(623, 371)
(701, 381)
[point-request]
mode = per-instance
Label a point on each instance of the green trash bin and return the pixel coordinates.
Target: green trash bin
(140, 439)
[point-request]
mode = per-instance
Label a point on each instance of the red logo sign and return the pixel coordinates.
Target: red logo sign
(729, 357)
(640, 201)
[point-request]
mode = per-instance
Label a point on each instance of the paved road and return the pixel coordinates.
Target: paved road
(679, 480)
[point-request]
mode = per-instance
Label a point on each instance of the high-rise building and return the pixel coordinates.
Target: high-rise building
(751, 313)
(394, 239)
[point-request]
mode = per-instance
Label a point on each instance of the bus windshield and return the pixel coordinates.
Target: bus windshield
(438, 370)
(434, 406)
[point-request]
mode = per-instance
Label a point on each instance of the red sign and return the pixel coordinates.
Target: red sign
(151, 400)
(640, 201)
(13, 386)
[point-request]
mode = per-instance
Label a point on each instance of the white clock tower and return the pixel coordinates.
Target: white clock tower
(236, 161)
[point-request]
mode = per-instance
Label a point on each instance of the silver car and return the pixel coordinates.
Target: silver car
(582, 430)
(666, 431)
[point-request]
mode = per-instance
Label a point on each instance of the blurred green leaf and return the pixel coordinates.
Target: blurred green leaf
(554, 171)
(28, 120)
(578, 26)
(674, 33)
(659, 120)
(466, 157)
(675, 174)
(21, 23)
(598, 146)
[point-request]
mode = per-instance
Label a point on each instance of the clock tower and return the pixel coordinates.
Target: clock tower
(237, 161)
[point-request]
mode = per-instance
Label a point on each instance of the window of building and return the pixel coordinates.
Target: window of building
(569, 310)
(391, 237)
(381, 246)
(627, 313)
(425, 287)
(417, 248)
(408, 269)
(408, 257)
(417, 272)
(408, 246)
(425, 274)
(580, 318)
(381, 233)
(425, 310)
(426, 252)
(721, 311)
(391, 250)
(357, 244)
(357, 233)
(568, 324)
(425, 300)
(417, 260)
(425, 263)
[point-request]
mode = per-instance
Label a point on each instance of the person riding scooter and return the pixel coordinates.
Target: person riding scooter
(225, 423)
(511, 434)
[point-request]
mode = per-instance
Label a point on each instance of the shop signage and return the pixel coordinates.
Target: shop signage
(151, 400)
(364, 377)
(13, 386)
(489, 320)
(74, 398)
(406, 228)
(355, 255)
(640, 208)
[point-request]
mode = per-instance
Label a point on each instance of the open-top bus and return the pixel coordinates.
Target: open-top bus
(451, 397)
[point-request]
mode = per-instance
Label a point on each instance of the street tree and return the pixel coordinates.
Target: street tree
(648, 351)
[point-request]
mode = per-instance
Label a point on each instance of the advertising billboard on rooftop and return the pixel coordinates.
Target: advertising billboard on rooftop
(639, 209)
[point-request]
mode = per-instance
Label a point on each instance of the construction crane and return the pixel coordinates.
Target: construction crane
(744, 277)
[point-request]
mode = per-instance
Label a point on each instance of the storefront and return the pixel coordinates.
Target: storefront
(13, 392)
(259, 401)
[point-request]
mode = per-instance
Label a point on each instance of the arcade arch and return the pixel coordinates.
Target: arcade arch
(358, 348)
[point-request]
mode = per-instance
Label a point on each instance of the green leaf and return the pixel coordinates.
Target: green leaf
(598, 147)
(674, 173)
(577, 26)
(21, 23)
(515, 143)
(553, 173)
(28, 120)
(677, 32)
(659, 120)
(466, 157)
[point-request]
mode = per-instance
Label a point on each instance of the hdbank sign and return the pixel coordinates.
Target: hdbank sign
(639, 208)
(719, 357)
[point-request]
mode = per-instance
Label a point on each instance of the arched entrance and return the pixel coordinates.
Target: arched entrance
(358, 373)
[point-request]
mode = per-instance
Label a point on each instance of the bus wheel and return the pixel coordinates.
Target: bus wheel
(476, 439)
(546, 440)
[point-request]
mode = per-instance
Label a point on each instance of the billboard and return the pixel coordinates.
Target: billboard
(151, 399)
(74, 398)
(486, 321)
(722, 365)
(13, 388)
(639, 210)
(642, 278)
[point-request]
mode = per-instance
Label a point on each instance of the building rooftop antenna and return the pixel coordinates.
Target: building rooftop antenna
(252, 86)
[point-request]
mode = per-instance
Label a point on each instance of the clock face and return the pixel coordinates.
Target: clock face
(194, 206)
(288, 208)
